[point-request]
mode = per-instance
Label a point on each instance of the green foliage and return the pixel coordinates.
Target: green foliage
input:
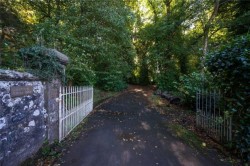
(94, 34)
(164, 44)
(240, 24)
(230, 67)
(80, 74)
(111, 81)
(165, 81)
(14, 34)
(96, 37)
(41, 63)
(190, 84)
(243, 137)
(50, 149)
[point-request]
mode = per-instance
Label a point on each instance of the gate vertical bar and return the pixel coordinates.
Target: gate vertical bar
(60, 114)
(197, 108)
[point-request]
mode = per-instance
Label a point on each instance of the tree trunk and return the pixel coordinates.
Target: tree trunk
(207, 27)
(49, 8)
(183, 63)
(168, 9)
(154, 10)
(58, 11)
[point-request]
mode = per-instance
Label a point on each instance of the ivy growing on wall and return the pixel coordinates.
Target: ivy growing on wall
(43, 64)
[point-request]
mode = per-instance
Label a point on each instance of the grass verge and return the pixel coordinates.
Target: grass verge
(188, 136)
(181, 123)
(101, 95)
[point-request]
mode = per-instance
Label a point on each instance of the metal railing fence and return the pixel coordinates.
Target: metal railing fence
(211, 116)
(75, 103)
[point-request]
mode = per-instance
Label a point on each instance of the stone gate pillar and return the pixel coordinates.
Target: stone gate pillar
(51, 99)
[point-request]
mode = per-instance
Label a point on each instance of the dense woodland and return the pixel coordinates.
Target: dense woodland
(177, 45)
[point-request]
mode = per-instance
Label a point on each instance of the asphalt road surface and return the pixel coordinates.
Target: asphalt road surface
(125, 131)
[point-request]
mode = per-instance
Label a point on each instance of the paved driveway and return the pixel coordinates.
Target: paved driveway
(125, 131)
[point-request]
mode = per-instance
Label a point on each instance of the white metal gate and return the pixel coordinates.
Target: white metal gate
(74, 105)
(211, 116)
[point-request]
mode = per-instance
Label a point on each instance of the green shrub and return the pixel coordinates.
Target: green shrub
(78, 73)
(165, 81)
(190, 84)
(230, 67)
(111, 81)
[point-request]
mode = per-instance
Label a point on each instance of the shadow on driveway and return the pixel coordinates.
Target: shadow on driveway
(125, 131)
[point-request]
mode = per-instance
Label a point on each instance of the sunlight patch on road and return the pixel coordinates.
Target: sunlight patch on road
(184, 157)
(145, 126)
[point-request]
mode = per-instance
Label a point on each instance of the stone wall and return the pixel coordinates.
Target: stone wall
(24, 121)
(28, 112)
